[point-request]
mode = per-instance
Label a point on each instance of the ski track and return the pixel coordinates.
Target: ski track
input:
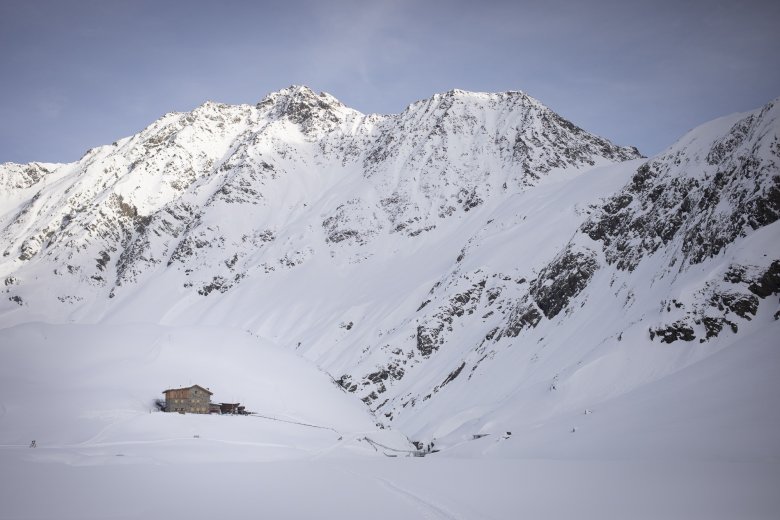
(428, 508)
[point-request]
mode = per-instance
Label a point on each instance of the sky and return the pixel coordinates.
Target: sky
(75, 74)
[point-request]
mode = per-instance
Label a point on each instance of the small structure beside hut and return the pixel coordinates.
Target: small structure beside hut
(196, 399)
(232, 408)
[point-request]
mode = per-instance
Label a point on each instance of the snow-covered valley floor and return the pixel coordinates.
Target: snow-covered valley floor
(700, 443)
(35, 486)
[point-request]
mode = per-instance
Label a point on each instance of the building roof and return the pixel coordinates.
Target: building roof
(189, 387)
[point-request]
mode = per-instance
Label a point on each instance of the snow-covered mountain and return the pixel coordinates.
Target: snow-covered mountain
(475, 275)
(225, 191)
(476, 264)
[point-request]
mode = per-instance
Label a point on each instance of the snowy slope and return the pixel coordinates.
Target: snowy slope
(94, 386)
(689, 254)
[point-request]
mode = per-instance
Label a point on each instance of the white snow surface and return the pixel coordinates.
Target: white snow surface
(574, 330)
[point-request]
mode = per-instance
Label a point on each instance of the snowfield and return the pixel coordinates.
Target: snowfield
(563, 328)
(697, 444)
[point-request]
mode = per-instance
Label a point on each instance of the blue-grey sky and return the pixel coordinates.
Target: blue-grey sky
(76, 74)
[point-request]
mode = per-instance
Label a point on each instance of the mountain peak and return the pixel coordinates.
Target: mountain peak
(298, 94)
(301, 105)
(294, 91)
(510, 99)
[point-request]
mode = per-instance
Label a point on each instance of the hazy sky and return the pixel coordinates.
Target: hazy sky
(79, 73)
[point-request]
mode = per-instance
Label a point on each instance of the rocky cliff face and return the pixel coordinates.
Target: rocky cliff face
(442, 264)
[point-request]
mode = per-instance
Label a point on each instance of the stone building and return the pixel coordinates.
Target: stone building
(194, 399)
